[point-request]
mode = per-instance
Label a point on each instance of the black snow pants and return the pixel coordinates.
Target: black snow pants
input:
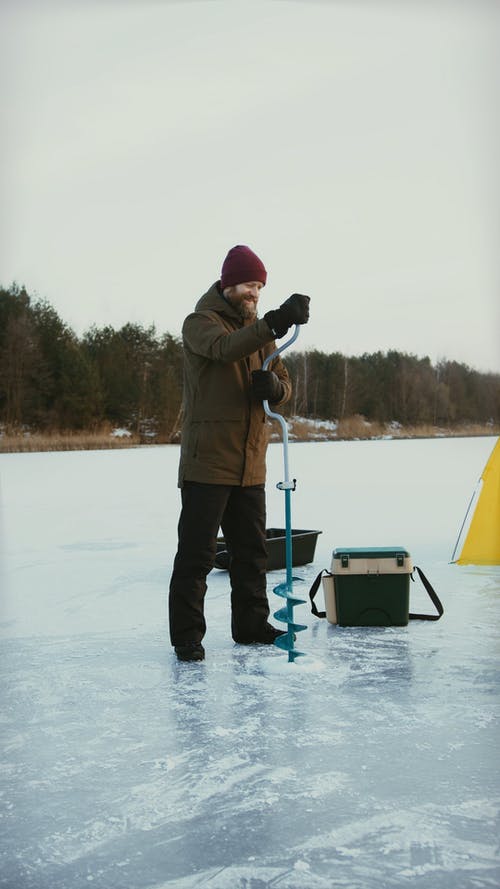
(241, 513)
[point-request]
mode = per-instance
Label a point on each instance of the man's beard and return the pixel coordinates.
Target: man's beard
(247, 312)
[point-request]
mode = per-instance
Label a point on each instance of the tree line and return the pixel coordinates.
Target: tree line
(50, 379)
(392, 386)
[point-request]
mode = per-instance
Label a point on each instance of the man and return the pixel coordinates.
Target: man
(223, 450)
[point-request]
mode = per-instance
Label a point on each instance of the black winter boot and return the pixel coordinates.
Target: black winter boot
(265, 636)
(190, 651)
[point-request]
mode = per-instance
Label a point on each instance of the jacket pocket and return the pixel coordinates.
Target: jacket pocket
(218, 443)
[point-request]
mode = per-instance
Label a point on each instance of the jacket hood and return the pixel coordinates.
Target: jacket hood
(213, 301)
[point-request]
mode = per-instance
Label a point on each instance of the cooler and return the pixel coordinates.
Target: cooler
(368, 587)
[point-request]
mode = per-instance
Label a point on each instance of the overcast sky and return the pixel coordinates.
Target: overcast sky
(353, 145)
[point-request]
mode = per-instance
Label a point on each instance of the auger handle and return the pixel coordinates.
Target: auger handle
(282, 348)
(281, 420)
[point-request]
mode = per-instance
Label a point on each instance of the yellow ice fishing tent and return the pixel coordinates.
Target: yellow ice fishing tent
(482, 543)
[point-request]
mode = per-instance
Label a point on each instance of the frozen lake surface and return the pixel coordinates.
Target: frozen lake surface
(371, 763)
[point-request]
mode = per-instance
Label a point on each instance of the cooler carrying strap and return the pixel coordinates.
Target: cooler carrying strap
(314, 590)
(433, 596)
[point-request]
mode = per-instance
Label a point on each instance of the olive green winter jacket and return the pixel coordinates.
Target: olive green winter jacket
(224, 429)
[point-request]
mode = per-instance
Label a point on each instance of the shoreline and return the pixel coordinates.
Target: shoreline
(300, 431)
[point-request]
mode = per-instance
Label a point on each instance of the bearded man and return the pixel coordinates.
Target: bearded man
(223, 451)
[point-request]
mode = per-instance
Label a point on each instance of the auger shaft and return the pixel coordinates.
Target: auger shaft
(285, 590)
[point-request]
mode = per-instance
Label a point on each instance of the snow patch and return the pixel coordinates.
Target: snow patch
(121, 433)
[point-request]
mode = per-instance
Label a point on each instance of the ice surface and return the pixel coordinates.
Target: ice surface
(372, 762)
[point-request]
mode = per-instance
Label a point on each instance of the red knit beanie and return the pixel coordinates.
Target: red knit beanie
(240, 265)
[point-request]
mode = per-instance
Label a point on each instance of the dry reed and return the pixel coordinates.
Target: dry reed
(357, 428)
(301, 429)
(24, 442)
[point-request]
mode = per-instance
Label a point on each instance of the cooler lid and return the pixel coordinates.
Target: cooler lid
(369, 552)
(371, 560)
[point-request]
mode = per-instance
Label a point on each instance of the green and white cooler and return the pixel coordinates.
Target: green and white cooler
(368, 587)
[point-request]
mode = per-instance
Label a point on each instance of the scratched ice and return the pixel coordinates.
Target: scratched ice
(371, 763)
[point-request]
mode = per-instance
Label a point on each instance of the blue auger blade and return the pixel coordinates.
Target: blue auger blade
(283, 590)
(284, 643)
(283, 616)
(293, 655)
(293, 601)
(292, 627)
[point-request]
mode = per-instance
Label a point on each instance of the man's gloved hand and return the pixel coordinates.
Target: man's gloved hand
(266, 386)
(295, 310)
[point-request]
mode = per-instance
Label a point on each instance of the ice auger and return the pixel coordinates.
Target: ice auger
(285, 590)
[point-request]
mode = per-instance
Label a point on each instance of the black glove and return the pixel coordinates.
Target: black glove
(295, 310)
(267, 386)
